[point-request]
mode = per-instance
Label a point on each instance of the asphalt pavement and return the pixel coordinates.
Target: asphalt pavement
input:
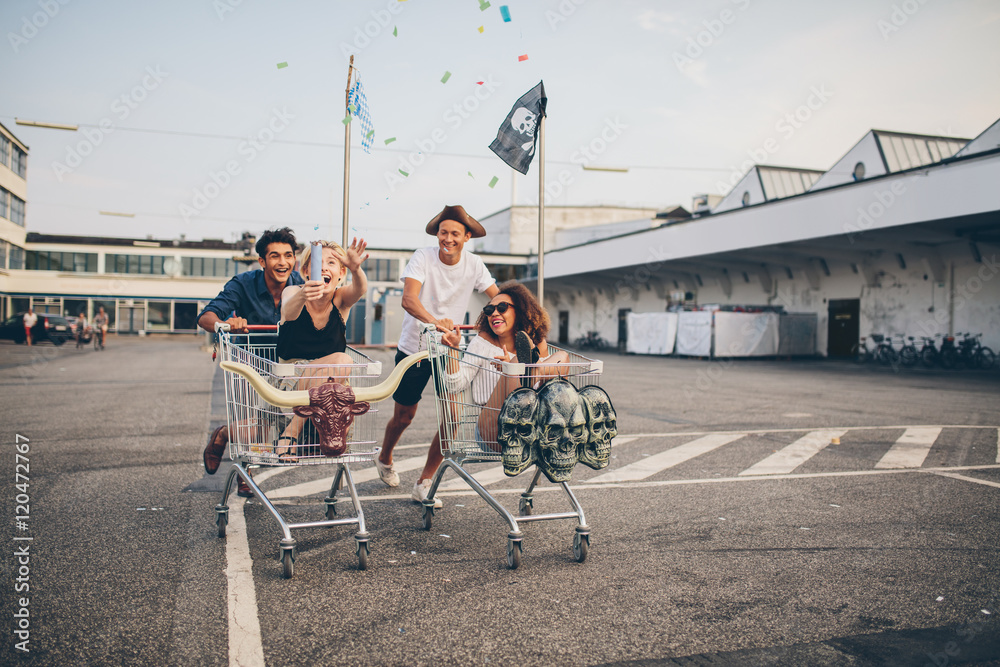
(755, 512)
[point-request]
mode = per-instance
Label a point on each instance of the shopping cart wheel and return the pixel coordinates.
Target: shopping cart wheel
(513, 554)
(363, 552)
(221, 519)
(331, 508)
(524, 507)
(428, 516)
(581, 545)
(287, 558)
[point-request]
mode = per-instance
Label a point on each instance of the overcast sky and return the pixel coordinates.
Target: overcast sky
(187, 121)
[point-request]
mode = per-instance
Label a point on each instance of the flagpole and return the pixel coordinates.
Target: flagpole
(541, 211)
(347, 150)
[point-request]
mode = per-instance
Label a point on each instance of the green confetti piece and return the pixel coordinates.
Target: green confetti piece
(471, 176)
(282, 65)
(494, 181)
(444, 79)
(347, 119)
(389, 140)
(483, 6)
(371, 133)
(353, 109)
(394, 33)
(403, 172)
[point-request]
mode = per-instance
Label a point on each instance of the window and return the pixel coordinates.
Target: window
(47, 260)
(383, 269)
(73, 307)
(144, 264)
(16, 210)
(208, 266)
(4, 151)
(16, 257)
(19, 162)
(159, 315)
(859, 171)
(4, 204)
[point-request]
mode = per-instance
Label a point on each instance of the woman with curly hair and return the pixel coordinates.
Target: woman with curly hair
(512, 327)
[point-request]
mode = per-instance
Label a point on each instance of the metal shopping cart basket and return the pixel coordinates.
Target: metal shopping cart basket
(255, 425)
(468, 429)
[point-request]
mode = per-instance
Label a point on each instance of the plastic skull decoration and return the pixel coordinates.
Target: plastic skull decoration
(516, 431)
(602, 426)
(562, 424)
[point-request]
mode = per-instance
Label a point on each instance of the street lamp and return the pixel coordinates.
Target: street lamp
(53, 126)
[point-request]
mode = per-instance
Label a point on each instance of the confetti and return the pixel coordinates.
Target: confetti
(505, 13)
(282, 65)
(521, 59)
(395, 32)
(940, 598)
(371, 133)
(985, 611)
(405, 174)
(346, 119)
(443, 535)
(389, 140)
(479, 83)
(471, 176)
(413, 553)
(832, 505)
(353, 109)
(444, 79)
(481, 29)
(483, 5)
(494, 181)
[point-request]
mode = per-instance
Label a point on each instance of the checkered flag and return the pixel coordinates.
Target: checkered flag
(358, 106)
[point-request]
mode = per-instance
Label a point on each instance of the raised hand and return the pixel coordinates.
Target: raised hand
(356, 254)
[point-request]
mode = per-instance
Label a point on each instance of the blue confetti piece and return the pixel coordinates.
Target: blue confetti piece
(505, 13)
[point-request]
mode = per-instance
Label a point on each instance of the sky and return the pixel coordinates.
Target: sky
(208, 118)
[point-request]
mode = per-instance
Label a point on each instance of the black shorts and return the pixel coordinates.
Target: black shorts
(411, 387)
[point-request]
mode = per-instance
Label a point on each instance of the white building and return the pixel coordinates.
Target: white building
(900, 236)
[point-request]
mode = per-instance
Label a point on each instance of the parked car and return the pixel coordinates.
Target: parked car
(54, 328)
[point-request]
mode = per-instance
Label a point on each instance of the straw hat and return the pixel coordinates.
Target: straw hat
(458, 214)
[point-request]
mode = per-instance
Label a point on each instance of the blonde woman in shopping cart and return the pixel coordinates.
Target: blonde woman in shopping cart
(512, 327)
(313, 327)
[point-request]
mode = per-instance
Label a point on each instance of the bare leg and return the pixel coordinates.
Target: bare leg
(313, 377)
(401, 418)
(434, 458)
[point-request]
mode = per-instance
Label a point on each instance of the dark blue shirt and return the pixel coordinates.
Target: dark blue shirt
(247, 296)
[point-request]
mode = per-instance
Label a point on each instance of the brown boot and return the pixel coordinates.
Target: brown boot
(215, 448)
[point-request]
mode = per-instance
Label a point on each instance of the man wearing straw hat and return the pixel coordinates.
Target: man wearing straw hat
(438, 283)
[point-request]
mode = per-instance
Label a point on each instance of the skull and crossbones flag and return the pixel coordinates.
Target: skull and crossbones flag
(515, 142)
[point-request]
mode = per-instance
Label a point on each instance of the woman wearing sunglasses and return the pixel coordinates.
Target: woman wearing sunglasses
(512, 328)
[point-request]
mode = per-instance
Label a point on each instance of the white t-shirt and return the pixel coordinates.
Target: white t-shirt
(30, 320)
(444, 292)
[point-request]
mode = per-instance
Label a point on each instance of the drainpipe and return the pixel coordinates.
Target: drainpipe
(951, 299)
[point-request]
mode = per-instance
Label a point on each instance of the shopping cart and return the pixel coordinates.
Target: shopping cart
(468, 430)
(255, 425)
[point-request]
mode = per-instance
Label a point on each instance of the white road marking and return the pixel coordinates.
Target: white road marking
(246, 648)
(998, 445)
(911, 448)
(966, 479)
(668, 459)
(791, 457)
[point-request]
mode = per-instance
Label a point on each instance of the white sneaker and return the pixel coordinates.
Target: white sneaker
(420, 490)
(386, 473)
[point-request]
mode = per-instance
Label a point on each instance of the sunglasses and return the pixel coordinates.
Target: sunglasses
(500, 308)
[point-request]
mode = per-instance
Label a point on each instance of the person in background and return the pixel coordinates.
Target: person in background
(30, 320)
(81, 329)
(101, 325)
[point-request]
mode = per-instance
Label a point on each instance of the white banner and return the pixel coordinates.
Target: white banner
(694, 334)
(651, 333)
(746, 334)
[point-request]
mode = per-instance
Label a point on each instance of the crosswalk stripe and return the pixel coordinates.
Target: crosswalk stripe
(998, 445)
(791, 457)
(910, 450)
(365, 475)
(651, 465)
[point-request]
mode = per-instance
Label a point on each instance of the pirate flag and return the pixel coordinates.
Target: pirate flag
(515, 142)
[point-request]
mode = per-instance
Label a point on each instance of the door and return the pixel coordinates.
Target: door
(131, 319)
(843, 328)
(623, 328)
(564, 327)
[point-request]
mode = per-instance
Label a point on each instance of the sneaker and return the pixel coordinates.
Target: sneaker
(386, 473)
(420, 490)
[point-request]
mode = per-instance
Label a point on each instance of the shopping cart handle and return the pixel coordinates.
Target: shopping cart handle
(221, 326)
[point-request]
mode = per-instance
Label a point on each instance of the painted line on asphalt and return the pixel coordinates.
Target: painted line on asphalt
(364, 475)
(649, 466)
(674, 434)
(246, 648)
(967, 479)
(792, 456)
(711, 480)
(911, 449)
(998, 445)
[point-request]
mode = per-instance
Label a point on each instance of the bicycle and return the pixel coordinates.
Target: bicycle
(99, 334)
(908, 354)
(929, 354)
(591, 341)
(885, 353)
(862, 353)
(972, 352)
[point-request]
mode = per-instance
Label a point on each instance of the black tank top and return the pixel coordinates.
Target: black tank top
(299, 338)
